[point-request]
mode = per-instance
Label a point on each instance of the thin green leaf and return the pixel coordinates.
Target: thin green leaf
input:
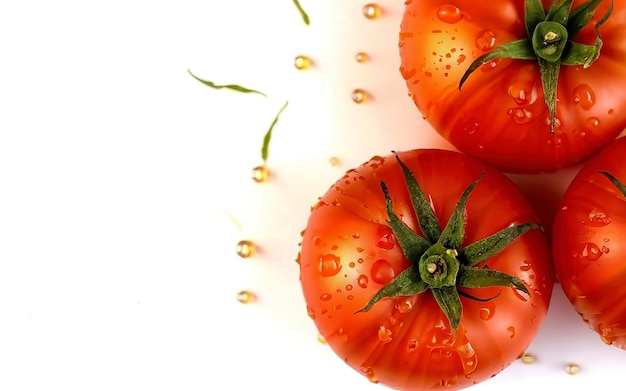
(413, 245)
(268, 135)
(425, 216)
(559, 11)
(579, 54)
(304, 15)
(233, 87)
(520, 50)
(620, 186)
(407, 283)
(454, 232)
(534, 13)
(450, 303)
(473, 277)
(484, 249)
(581, 16)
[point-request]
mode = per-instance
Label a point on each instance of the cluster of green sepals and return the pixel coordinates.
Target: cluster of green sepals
(438, 262)
(550, 43)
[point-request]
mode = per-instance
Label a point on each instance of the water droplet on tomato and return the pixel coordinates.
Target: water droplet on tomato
(362, 281)
(407, 73)
(591, 252)
(352, 264)
(404, 306)
(329, 265)
(584, 96)
(598, 218)
(326, 297)
(440, 353)
(468, 357)
(485, 40)
(523, 93)
(471, 126)
(387, 240)
(461, 59)
(525, 266)
(488, 65)
(521, 115)
(593, 121)
(310, 312)
(449, 13)
(349, 287)
(412, 346)
(384, 334)
(511, 331)
(486, 313)
(382, 272)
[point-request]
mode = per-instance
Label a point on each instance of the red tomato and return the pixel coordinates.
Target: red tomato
(350, 252)
(500, 115)
(589, 244)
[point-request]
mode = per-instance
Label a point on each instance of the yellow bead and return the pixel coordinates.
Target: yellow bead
(302, 62)
(358, 95)
(361, 57)
(260, 174)
(371, 11)
(528, 358)
(334, 161)
(572, 369)
(246, 297)
(245, 249)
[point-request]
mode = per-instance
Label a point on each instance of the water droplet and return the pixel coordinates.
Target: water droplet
(591, 252)
(572, 369)
(302, 62)
(523, 93)
(461, 59)
(584, 96)
(329, 265)
(527, 358)
(526, 266)
(352, 264)
(310, 312)
(486, 313)
(598, 218)
(593, 121)
(405, 306)
(371, 11)
(246, 297)
(382, 272)
(521, 115)
(350, 297)
(468, 357)
(358, 95)
(369, 373)
(349, 287)
(449, 14)
(407, 73)
(412, 346)
(488, 65)
(361, 57)
(245, 249)
(260, 174)
(326, 297)
(440, 353)
(384, 334)
(471, 126)
(485, 40)
(387, 240)
(511, 331)
(321, 339)
(334, 161)
(362, 281)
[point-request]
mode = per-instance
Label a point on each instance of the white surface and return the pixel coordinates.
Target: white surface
(119, 172)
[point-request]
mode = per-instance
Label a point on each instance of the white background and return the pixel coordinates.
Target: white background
(125, 185)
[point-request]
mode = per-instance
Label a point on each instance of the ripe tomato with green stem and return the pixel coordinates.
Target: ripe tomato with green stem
(589, 243)
(526, 86)
(425, 269)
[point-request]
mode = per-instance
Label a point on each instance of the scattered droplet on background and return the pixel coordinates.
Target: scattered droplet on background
(361, 57)
(246, 297)
(302, 62)
(371, 11)
(245, 249)
(260, 174)
(572, 369)
(528, 358)
(358, 95)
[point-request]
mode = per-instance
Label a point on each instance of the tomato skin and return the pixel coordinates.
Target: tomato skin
(500, 116)
(349, 252)
(589, 244)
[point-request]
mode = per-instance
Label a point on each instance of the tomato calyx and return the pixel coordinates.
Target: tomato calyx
(616, 182)
(439, 262)
(549, 43)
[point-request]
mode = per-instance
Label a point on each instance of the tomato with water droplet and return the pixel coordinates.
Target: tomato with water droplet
(588, 238)
(407, 341)
(515, 131)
